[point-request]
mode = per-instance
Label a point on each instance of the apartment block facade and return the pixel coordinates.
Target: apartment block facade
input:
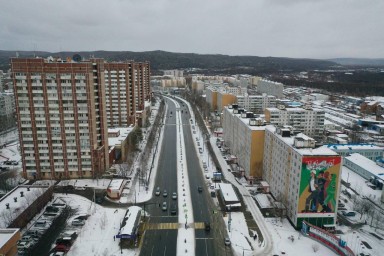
(256, 103)
(7, 110)
(120, 93)
(270, 88)
(309, 121)
(292, 165)
(244, 135)
(61, 117)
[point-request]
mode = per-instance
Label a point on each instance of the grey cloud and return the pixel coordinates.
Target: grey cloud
(291, 28)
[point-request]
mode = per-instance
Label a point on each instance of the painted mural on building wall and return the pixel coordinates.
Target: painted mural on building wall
(319, 184)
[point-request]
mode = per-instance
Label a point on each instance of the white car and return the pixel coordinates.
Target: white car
(157, 193)
(164, 207)
(174, 196)
(227, 242)
(23, 245)
(79, 188)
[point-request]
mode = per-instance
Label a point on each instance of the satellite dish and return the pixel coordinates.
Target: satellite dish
(76, 57)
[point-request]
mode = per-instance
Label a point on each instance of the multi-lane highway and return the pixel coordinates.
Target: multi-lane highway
(161, 228)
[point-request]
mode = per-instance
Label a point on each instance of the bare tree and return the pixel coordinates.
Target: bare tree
(123, 170)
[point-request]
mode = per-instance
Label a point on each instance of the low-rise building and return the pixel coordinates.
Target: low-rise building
(366, 168)
(369, 151)
(8, 241)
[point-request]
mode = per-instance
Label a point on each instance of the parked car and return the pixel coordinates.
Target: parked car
(174, 195)
(82, 217)
(157, 193)
(79, 188)
(164, 207)
(227, 241)
(77, 222)
(200, 189)
(42, 224)
(62, 248)
(24, 245)
(348, 214)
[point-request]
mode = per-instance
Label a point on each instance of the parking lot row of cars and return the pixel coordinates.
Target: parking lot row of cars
(34, 234)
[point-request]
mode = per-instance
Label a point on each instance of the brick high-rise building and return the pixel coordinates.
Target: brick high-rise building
(127, 90)
(61, 117)
(120, 93)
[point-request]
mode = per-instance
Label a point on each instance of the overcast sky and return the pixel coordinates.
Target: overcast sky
(281, 28)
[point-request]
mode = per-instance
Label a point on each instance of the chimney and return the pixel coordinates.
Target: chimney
(21, 193)
(7, 205)
(15, 198)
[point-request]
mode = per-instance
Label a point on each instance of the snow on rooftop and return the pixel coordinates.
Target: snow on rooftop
(354, 147)
(367, 164)
(263, 201)
(115, 184)
(112, 141)
(228, 192)
(6, 234)
(129, 227)
(22, 202)
(320, 151)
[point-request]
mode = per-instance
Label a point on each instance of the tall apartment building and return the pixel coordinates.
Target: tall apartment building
(120, 94)
(7, 110)
(61, 117)
(270, 88)
(225, 98)
(308, 120)
(244, 135)
(256, 103)
(292, 166)
(142, 86)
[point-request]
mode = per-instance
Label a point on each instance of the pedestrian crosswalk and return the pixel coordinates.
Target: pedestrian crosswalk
(156, 226)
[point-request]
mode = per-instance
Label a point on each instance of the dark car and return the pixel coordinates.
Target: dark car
(200, 189)
(174, 209)
(207, 226)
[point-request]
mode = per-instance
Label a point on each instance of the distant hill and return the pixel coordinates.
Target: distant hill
(358, 62)
(161, 60)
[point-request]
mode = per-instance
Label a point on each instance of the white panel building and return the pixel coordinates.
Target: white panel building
(256, 103)
(283, 169)
(307, 120)
(270, 88)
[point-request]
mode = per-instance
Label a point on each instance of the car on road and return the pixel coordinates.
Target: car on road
(227, 241)
(79, 188)
(157, 193)
(165, 193)
(174, 195)
(200, 189)
(174, 209)
(207, 226)
(164, 207)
